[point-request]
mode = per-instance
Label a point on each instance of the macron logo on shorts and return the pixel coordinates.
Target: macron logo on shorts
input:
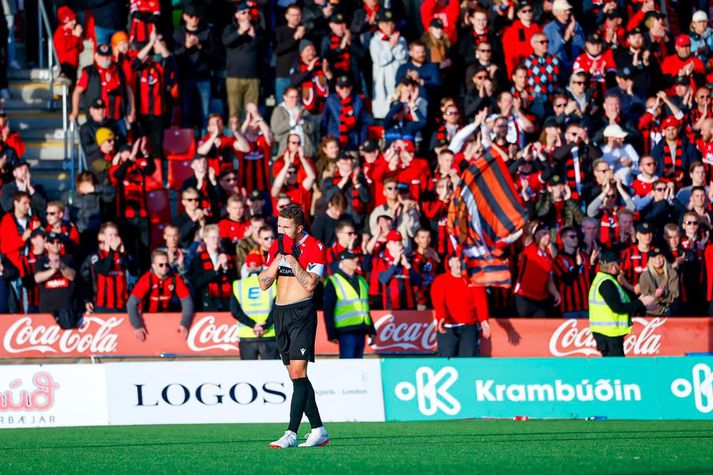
(302, 350)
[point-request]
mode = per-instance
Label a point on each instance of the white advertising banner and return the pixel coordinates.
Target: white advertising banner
(52, 396)
(238, 391)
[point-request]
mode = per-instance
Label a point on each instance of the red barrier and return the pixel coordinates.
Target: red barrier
(33, 336)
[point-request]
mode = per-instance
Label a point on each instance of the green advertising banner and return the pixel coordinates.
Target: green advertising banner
(615, 388)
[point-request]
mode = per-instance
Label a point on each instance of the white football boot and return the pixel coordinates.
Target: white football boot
(316, 438)
(287, 441)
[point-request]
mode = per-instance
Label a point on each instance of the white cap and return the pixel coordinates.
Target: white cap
(561, 5)
(700, 15)
(614, 131)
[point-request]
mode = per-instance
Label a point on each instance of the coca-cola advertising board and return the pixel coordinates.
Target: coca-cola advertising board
(400, 332)
(50, 395)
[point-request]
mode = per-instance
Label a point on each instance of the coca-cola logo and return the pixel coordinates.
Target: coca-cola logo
(206, 335)
(396, 335)
(94, 336)
(570, 340)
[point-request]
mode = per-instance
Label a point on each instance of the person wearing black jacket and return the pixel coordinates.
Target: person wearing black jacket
(287, 41)
(97, 119)
(212, 274)
(8, 273)
(243, 42)
(195, 55)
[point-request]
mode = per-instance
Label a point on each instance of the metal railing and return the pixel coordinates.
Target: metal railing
(50, 63)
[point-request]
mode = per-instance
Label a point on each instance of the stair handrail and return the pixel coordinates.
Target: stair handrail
(52, 60)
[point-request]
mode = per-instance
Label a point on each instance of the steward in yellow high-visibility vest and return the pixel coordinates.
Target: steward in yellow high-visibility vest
(610, 307)
(251, 307)
(346, 307)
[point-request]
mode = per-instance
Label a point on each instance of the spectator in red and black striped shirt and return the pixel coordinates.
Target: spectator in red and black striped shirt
(28, 269)
(254, 165)
(635, 258)
(212, 273)
(158, 290)
(113, 263)
(396, 276)
(573, 272)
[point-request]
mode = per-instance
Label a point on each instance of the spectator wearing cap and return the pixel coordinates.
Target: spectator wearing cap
(68, 43)
(632, 103)
(701, 37)
(349, 181)
(244, 44)
(674, 153)
(565, 35)
(574, 161)
(611, 307)
(421, 70)
(212, 273)
(16, 226)
(597, 62)
(535, 291)
(55, 275)
(635, 258)
(516, 37)
(388, 51)
(573, 274)
(446, 11)
(30, 291)
(337, 50)
(311, 75)
(255, 325)
(644, 66)
(104, 79)
(291, 118)
(543, 72)
(345, 116)
(205, 181)
(660, 280)
(556, 208)
(346, 307)
(96, 119)
(195, 52)
(438, 47)
(128, 174)
(59, 223)
(287, 41)
(683, 64)
(394, 275)
(22, 181)
(611, 30)
(620, 156)
(460, 311)
(651, 120)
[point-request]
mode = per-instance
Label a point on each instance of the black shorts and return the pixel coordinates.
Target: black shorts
(296, 330)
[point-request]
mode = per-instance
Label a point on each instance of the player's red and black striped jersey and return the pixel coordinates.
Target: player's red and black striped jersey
(573, 281)
(160, 295)
(111, 291)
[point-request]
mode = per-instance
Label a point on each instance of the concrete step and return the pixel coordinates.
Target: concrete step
(23, 103)
(34, 74)
(29, 91)
(42, 133)
(32, 119)
(52, 149)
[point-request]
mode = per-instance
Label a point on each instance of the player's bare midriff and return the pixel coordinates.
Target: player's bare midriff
(289, 291)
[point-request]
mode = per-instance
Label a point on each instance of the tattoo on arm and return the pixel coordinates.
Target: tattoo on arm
(267, 280)
(302, 275)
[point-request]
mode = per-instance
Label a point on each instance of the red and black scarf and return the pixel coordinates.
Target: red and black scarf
(347, 120)
(315, 89)
(342, 57)
(372, 12)
(672, 165)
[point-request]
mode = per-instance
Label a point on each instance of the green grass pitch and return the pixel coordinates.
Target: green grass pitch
(463, 447)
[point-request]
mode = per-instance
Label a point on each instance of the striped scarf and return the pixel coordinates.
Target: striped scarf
(347, 121)
(672, 165)
(342, 57)
(484, 214)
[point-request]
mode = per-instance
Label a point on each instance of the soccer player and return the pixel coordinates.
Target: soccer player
(296, 260)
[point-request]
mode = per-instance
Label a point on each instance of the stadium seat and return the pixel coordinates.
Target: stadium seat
(155, 181)
(375, 132)
(157, 235)
(179, 144)
(159, 207)
(178, 172)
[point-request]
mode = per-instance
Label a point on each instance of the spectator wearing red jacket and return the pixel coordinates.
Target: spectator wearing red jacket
(16, 227)
(459, 308)
(516, 38)
(682, 64)
(68, 43)
(535, 278)
(394, 275)
(10, 137)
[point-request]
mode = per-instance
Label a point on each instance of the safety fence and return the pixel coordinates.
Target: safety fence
(372, 390)
(216, 334)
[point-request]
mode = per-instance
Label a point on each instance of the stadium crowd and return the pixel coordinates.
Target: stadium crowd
(365, 114)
